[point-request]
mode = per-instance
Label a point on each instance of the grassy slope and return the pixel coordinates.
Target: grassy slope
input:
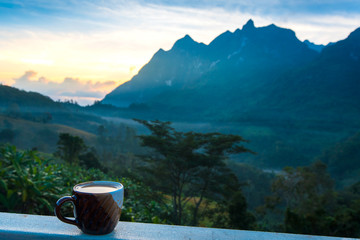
(42, 136)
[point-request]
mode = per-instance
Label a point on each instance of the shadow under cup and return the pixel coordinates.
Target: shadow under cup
(97, 206)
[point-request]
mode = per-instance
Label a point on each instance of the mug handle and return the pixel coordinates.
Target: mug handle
(59, 203)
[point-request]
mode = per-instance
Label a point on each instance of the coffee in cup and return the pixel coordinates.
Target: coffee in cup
(97, 206)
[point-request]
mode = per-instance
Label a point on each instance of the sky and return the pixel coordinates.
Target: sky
(83, 49)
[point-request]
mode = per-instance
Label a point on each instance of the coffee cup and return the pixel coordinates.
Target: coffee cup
(97, 206)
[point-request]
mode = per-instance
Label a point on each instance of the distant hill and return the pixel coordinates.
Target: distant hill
(31, 120)
(26, 100)
(28, 134)
(34, 107)
(252, 73)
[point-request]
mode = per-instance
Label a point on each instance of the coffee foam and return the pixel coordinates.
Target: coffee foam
(96, 189)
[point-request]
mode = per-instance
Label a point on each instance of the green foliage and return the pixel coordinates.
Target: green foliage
(189, 165)
(73, 150)
(232, 213)
(70, 147)
(31, 184)
(239, 217)
(116, 146)
(141, 204)
(256, 183)
(28, 183)
(90, 160)
(311, 204)
(304, 188)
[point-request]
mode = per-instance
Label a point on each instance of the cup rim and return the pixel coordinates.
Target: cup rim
(118, 186)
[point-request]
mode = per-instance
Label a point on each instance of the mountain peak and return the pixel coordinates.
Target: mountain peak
(160, 52)
(184, 42)
(249, 25)
(187, 38)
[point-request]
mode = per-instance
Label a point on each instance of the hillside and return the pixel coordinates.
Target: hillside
(28, 134)
(11, 97)
(35, 107)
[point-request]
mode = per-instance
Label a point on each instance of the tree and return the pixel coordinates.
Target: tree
(240, 218)
(70, 147)
(304, 188)
(90, 160)
(188, 165)
(308, 197)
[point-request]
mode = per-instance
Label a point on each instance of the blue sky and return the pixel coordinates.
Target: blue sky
(83, 49)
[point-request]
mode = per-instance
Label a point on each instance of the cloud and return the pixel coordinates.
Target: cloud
(72, 88)
(154, 17)
(316, 20)
(267, 6)
(26, 77)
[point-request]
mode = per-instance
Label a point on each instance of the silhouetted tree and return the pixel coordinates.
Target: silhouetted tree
(239, 217)
(70, 147)
(187, 165)
(311, 204)
(90, 160)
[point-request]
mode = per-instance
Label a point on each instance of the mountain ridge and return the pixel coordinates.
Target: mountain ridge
(236, 73)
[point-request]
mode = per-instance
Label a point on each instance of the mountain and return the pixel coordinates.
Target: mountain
(251, 73)
(328, 87)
